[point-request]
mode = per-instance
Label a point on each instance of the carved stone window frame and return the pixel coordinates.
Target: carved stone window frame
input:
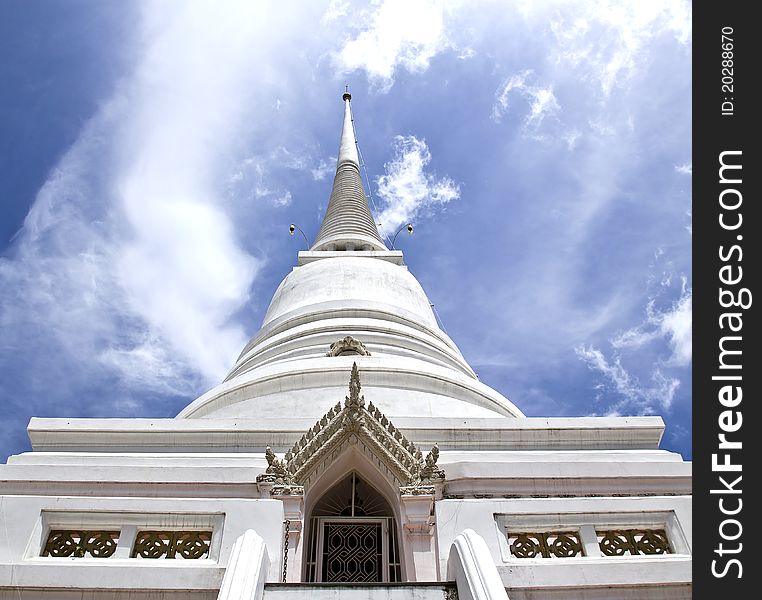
(128, 524)
(588, 525)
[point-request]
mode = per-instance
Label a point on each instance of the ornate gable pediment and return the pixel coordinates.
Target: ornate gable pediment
(371, 431)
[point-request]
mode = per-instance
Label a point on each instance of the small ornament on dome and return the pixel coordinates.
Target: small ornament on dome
(347, 346)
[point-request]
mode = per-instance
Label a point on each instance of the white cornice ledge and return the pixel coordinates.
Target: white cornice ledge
(252, 435)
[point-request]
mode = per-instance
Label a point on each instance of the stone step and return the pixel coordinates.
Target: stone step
(360, 591)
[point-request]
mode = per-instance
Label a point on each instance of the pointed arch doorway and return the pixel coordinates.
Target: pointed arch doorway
(353, 535)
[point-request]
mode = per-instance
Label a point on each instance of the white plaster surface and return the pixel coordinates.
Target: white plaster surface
(314, 402)
(347, 147)
(23, 531)
(309, 387)
(471, 566)
(245, 435)
(246, 570)
(392, 256)
(348, 592)
(179, 480)
(358, 279)
(79, 594)
(382, 333)
(571, 573)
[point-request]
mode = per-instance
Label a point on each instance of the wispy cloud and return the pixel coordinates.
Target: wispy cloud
(633, 396)
(261, 176)
(601, 48)
(542, 101)
(181, 262)
(674, 325)
(336, 9)
(406, 189)
(132, 221)
(609, 40)
(323, 169)
(628, 392)
(684, 169)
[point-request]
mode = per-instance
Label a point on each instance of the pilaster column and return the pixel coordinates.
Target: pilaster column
(418, 531)
(293, 515)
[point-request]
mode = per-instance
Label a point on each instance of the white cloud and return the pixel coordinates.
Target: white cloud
(605, 42)
(466, 53)
(592, 51)
(634, 397)
(406, 189)
(259, 175)
(401, 33)
(182, 268)
(323, 169)
(673, 325)
(677, 325)
(336, 9)
(685, 168)
(289, 159)
(147, 364)
(129, 258)
(542, 101)
(283, 200)
(609, 40)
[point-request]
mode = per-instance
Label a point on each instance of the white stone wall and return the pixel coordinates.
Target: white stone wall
(26, 521)
(659, 576)
(168, 473)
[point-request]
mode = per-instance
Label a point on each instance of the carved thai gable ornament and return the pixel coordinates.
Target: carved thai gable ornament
(367, 427)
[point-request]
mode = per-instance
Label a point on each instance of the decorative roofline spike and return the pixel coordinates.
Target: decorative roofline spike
(354, 400)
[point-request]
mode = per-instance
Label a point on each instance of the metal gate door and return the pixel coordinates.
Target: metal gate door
(353, 551)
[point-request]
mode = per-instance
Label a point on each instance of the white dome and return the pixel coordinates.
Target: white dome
(413, 367)
(309, 387)
(355, 282)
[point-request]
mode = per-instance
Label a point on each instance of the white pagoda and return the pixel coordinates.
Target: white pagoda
(350, 452)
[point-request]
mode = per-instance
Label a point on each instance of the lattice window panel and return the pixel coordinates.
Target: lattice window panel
(621, 542)
(546, 544)
(76, 543)
(189, 545)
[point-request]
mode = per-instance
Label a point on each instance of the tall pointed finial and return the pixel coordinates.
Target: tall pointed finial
(347, 145)
(348, 223)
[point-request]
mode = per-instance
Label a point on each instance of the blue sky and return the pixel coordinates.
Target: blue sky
(154, 154)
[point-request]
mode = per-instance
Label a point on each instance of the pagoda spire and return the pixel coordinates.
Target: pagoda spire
(348, 223)
(347, 146)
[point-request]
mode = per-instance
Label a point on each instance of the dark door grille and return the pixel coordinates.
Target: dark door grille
(352, 552)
